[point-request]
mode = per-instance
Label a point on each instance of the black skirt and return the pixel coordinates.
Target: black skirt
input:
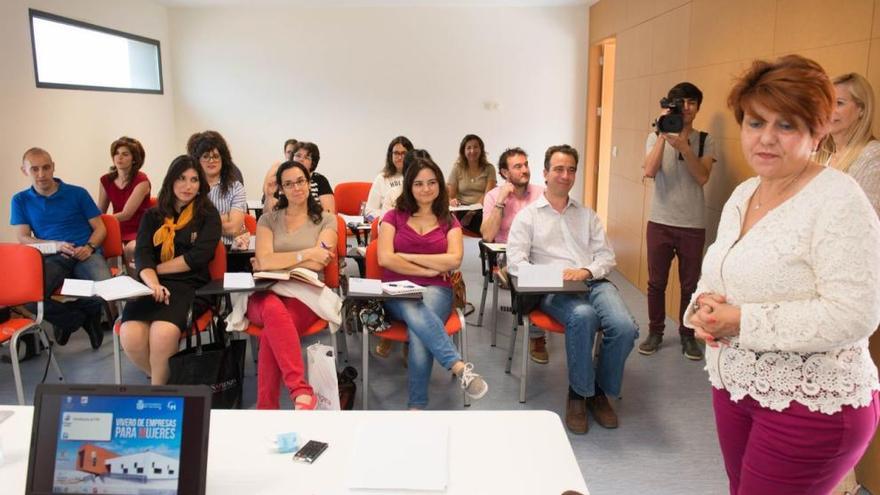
(183, 295)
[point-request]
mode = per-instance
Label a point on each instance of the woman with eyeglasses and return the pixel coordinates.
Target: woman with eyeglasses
(176, 242)
(226, 192)
(420, 241)
(127, 189)
(295, 233)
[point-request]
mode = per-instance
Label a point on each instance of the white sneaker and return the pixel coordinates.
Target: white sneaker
(472, 383)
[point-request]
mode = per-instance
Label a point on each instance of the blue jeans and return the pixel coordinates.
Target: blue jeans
(56, 268)
(583, 315)
(426, 324)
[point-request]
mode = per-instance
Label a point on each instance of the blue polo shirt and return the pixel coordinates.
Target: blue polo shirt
(63, 216)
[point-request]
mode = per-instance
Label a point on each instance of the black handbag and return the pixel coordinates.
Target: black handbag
(220, 365)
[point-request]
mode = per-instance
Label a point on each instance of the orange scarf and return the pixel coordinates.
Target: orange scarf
(165, 234)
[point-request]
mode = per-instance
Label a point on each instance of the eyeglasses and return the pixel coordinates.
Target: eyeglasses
(294, 184)
(210, 158)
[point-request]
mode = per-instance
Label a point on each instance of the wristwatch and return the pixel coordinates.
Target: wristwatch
(94, 248)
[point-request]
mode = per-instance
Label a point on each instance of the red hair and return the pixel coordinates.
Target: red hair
(793, 86)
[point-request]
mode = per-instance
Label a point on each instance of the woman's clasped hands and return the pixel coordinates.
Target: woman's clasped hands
(714, 320)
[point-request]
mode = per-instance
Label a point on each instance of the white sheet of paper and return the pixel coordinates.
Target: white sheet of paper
(123, 287)
(475, 206)
(46, 247)
(78, 288)
(254, 204)
(238, 281)
(539, 275)
(365, 286)
(356, 219)
(496, 246)
(409, 454)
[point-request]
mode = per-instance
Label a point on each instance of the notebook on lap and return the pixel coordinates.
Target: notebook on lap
(119, 439)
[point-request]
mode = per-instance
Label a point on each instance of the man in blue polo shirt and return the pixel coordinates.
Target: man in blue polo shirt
(52, 211)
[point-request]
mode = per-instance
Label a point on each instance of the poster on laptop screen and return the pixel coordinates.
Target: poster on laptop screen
(118, 445)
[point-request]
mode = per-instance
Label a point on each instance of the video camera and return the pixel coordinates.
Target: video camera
(672, 121)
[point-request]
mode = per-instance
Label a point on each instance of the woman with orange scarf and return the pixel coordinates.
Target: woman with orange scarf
(176, 241)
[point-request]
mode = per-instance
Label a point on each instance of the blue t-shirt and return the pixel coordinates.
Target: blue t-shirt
(63, 216)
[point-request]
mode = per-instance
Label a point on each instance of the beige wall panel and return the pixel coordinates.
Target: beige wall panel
(875, 32)
(840, 59)
(626, 249)
(725, 31)
(631, 97)
(804, 24)
(670, 40)
(873, 75)
(715, 82)
(673, 297)
(639, 11)
(633, 52)
(712, 217)
(607, 18)
(660, 85)
(643, 258)
(664, 6)
(732, 171)
(630, 154)
(625, 203)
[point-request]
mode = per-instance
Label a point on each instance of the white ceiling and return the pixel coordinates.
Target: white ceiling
(374, 3)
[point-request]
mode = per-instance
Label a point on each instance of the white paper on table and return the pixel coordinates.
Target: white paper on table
(78, 288)
(496, 246)
(365, 286)
(475, 206)
(355, 219)
(539, 275)
(254, 204)
(232, 280)
(123, 287)
(410, 453)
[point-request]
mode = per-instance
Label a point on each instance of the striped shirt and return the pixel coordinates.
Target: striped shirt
(235, 198)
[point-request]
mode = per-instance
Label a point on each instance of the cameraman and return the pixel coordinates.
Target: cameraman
(679, 163)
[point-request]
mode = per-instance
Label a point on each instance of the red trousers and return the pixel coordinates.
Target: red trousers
(280, 357)
(791, 452)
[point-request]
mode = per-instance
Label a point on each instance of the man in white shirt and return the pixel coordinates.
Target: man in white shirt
(555, 229)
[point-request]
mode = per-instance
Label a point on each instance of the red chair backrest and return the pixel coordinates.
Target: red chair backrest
(22, 269)
(374, 229)
(331, 274)
(250, 223)
(373, 268)
(112, 244)
(217, 266)
(153, 201)
(341, 232)
(350, 195)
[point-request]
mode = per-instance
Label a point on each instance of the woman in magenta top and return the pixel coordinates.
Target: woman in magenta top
(420, 241)
(127, 189)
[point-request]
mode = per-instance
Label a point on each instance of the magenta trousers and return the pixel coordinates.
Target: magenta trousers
(795, 451)
(280, 357)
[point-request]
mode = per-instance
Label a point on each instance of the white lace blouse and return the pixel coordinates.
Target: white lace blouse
(807, 280)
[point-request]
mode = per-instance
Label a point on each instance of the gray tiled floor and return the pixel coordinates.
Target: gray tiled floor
(666, 442)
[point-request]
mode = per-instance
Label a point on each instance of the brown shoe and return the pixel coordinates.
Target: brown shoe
(601, 410)
(538, 350)
(576, 415)
(383, 348)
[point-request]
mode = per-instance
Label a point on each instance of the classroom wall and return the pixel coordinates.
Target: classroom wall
(351, 79)
(75, 126)
(708, 42)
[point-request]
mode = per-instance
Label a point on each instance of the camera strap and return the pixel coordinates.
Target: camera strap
(702, 145)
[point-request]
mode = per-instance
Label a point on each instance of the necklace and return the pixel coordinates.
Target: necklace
(758, 191)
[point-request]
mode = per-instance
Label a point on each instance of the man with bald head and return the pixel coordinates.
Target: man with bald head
(53, 211)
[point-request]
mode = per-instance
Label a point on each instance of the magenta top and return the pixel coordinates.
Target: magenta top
(118, 197)
(407, 240)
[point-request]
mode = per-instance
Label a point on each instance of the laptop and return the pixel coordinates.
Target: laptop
(119, 439)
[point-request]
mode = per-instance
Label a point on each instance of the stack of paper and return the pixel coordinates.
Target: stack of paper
(402, 287)
(112, 289)
(365, 286)
(238, 281)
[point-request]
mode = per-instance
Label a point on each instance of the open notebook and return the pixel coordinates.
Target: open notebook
(112, 289)
(299, 273)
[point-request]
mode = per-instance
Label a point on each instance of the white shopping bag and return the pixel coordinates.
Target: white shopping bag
(322, 376)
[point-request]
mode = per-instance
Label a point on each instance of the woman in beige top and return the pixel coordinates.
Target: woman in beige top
(471, 178)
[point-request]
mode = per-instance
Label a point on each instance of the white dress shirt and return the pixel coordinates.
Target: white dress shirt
(575, 238)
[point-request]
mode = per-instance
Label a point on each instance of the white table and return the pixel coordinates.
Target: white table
(508, 452)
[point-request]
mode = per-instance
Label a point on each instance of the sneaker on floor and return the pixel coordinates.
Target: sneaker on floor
(92, 326)
(601, 409)
(538, 350)
(383, 348)
(690, 348)
(576, 415)
(651, 344)
(472, 383)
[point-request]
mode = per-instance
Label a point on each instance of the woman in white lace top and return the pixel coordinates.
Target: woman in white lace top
(789, 293)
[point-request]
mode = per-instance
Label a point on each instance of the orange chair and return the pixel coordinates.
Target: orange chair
(250, 223)
(455, 326)
(24, 265)
(153, 201)
(112, 245)
(350, 195)
(216, 268)
(546, 322)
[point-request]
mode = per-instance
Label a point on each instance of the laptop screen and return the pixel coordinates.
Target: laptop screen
(134, 443)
